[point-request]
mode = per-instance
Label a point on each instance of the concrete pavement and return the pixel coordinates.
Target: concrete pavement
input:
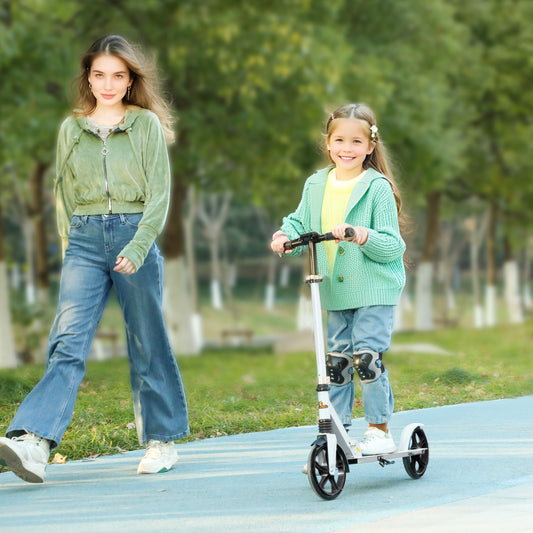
(479, 479)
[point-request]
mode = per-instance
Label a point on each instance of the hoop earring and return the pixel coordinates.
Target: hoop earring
(90, 86)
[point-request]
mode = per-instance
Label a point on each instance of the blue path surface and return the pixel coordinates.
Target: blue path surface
(480, 453)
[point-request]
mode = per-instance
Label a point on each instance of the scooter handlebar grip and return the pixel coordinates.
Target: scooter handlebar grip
(348, 233)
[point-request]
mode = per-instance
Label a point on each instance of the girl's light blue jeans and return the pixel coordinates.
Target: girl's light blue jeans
(352, 330)
(86, 279)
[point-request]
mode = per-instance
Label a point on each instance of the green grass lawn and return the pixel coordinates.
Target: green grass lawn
(243, 390)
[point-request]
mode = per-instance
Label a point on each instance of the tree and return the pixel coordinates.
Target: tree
(32, 99)
(500, 92)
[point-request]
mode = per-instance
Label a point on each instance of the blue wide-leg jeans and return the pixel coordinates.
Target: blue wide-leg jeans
(86, 279)
(353, 330)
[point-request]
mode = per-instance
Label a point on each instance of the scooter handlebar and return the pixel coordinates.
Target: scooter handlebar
(306, 238)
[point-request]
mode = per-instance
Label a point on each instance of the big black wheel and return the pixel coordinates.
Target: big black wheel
(327, 486)
(415, 465)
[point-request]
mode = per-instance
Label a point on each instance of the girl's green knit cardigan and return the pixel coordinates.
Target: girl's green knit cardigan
(371, 274)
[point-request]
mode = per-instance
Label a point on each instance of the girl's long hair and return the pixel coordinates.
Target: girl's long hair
(378, 159)
(145, 90)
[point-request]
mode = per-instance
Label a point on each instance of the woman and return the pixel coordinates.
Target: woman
(112, 191)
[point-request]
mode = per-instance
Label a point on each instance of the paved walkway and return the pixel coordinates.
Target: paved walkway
(479, 480)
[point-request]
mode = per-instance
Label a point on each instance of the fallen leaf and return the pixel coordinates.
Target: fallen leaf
(59, 459)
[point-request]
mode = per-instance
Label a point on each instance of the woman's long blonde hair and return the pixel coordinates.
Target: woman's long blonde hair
(378, 159)
(145, 90)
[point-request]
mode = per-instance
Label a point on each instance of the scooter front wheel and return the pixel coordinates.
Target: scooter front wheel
(327, 486)
(415, 465)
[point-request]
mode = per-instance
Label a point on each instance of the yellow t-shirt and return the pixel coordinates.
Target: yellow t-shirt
(336, 196)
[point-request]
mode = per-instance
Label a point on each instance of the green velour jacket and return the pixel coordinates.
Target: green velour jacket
(370, 274)
(132, 175)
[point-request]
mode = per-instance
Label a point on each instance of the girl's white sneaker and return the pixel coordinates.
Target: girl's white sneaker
(376, 442)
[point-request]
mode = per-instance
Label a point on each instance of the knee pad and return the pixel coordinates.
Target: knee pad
(340, 368)
(368, 365)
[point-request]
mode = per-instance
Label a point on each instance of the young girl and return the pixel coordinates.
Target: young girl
(363, 278)
(112, 192)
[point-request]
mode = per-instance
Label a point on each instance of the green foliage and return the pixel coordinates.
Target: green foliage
(251, 83)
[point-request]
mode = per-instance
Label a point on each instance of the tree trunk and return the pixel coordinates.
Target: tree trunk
(491, 290)
(216, 285)
(477, 230)
(284, 275)
(424, 278)
(29, 274)
(36, 213)
(177, 305)
(213, 212)
(450, 251)
(8, 357)
(189, 226)
(304, 315)
(511, 279)
(526, 273)
(270, 292)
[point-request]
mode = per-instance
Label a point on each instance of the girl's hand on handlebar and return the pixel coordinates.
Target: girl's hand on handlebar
(360, 233)
(277, 244)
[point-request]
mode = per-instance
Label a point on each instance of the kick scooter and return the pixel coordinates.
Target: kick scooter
(332, 452)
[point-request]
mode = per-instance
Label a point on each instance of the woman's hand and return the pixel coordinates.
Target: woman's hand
(360, 233)
(124, 266)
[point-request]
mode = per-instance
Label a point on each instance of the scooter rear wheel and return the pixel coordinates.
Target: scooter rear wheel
(327, 486)
(416, 465)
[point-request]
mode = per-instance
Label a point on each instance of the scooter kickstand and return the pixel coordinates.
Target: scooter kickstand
(384, 462)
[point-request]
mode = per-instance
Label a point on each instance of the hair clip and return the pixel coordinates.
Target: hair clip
(373, 132)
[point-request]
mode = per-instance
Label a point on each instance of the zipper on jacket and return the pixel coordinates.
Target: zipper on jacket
(104, 154)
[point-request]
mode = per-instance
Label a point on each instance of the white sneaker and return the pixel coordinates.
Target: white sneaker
(159, 457)
(26, 456)
(376, 442)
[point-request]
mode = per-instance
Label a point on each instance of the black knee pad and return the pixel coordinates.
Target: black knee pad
(340, 368)
(368, 365)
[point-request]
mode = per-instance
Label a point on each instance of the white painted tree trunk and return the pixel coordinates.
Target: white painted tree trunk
(305, 313)
(270, 290)
(231, 275)
(15, 277)
(491, 305)
(8, 357)
(450, 249)
(450, 299)
(284, 275)
(526, 282)
(181, 326)
(511, 277)
(477, 229)
(216, 294)
(399, 313)
(270, 297)
(29, 245)
(478, 316)
(213, 212)
(424, 297)
(526, 295)
(197, 341)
